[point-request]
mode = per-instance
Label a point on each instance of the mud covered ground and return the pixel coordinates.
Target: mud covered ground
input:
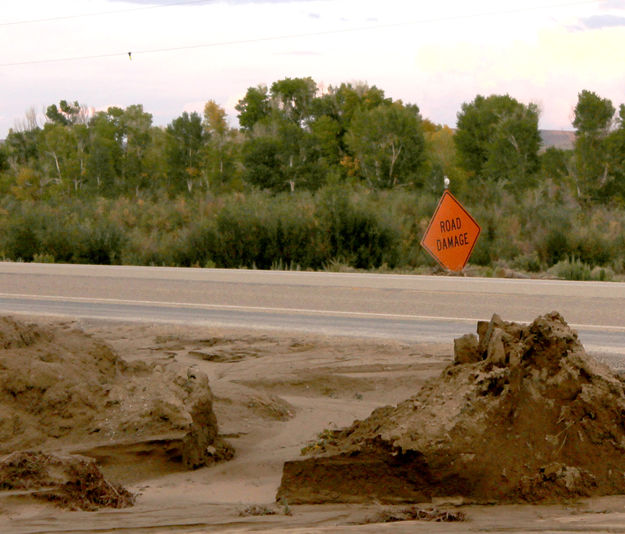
(274, 395)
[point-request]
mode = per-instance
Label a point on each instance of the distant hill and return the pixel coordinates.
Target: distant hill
(557, 138)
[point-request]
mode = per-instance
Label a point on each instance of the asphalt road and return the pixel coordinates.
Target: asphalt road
(403, 307)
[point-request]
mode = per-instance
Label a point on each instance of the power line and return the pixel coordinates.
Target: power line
(100, 13)
(296, 35)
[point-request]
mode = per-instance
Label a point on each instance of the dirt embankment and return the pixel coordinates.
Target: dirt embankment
(523, 414)
(62, 390)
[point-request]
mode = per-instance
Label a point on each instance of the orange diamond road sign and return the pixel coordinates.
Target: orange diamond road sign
(452, 234)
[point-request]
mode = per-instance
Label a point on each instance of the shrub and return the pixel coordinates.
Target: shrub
(101, 243)
(528, 262)
(572, 269)
(21, 240)
(355, 235)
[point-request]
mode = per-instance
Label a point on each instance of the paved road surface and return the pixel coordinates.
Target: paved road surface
(404, 307)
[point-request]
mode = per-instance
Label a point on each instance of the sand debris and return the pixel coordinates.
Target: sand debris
(523, 414)
(73, 482)
(417, 513)
(62, 389)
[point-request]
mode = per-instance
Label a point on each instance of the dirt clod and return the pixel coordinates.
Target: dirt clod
(73, 482)
(523, 414)
(417, 513)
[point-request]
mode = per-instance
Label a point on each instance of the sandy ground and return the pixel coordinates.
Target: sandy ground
(275, 393)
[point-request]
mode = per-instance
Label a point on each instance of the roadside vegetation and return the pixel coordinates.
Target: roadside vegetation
(337, 180)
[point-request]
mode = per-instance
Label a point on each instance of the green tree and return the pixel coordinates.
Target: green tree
(341, 103)
(28, 184)
(615, 147)
(184, 149)
(513, 153)
(299, 157)
(262, 164)
(332, 114)
(66, 114)
(293, 98)
(281, 156)
(61, 145)
(120, 141)
(593, 120)
(327, 135)
(556, 163)
(282, 116)
(253, 107)
(104, 161)
(22, 148)
(4, 159)
(497, 138)
(441, 158)
(155, 160)
(389, 144)
(135, 126)
(219, 144)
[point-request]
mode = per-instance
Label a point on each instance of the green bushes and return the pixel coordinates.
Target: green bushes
(101, 243)
(293, 232)
(21, 241)
(336, 227)
(38, 230)
(576, 269)
(355, 235)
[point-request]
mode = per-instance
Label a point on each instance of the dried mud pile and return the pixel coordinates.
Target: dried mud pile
(523, 414)
(73, 482)
(61, 389)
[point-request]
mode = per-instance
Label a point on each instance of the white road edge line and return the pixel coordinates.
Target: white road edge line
(60, 298)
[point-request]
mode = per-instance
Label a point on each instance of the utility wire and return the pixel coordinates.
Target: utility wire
(134, 53)
(100, 13)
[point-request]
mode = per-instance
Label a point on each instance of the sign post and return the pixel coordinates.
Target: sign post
(451, 234)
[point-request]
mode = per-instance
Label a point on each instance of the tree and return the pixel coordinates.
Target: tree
(327, 133)
(332, 115)
(342, 102)
(253, 107)
(135, 126)
(593, 120)
(615, 147)
(104, 161)
(497, 139)
(389, 144)
(4, 159)
(219, 157)
(183, 146)
(283, 116)
(513, 152)
(593, 114)
(441, 159)
(299, 156)
(28, 185)
(22, 148)
(66, 114)
(281, 156)
(555, 163)
(261, 160)
(293, 98)
(61, 146)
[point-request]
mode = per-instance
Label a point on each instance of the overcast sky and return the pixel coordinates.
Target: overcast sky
(436, 54)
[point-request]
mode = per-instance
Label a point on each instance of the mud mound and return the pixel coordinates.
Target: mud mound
(72, 482)
(14, 334)
(62, 389)
(523, 414)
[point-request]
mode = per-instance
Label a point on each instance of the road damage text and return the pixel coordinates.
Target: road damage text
(457, 239)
